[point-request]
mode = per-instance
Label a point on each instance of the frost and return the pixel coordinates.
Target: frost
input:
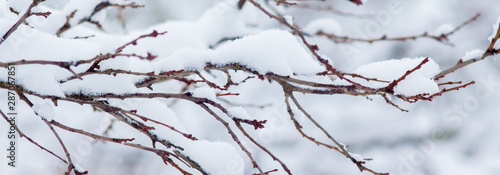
(288, 19)
(44, 109)
(472, 54)
(326, 25)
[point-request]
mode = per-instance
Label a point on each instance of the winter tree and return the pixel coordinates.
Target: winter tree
(249, 87)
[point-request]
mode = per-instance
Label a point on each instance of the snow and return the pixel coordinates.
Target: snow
(157, 110)
(288, 19)
(418, 82)
(216, 157)
(46, 76)
(100, 84)
(26, 41)
(239, 112)
(444, 28)
(215, 31)
(45, 110)
(78, 168)
(356, 156)
(20, 6)
(472, 54)
(326, 25)
(205, 92)
(495, 29)
(278, 52)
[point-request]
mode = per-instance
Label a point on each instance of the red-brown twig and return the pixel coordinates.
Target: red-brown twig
(238, 124)
(357, 2)
(95, 136)
(450, 83)
(390, 87)
(153, 34)
(233, 135)
(44, 14)
(162, 153)
(241, 3)
(71, 166)
(226, 94)
(66, 25)
(98, 59)
(443, 38)
(102, 6)
(267, 172)
(21, 134)
(189, 136)
(340, 146)
(330, 9)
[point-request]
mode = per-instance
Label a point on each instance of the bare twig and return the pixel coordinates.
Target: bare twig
(390, 87)
(335, 11)
(21, 134)
(162, 153)
(189, 136)
(95, 136)
(357, 2)
(298, 127)
(153, 34)
(71, 166)
(443, 38)
(66, 25)
(233, 135)
(241, 3)
(103, 5)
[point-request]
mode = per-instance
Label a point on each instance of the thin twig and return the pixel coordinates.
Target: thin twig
(443, 38)
(335, 11)
(390, 87)
(21, 134)
(233, 135)
(162, 153)
(71, 166)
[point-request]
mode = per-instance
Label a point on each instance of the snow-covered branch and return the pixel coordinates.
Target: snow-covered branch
(144, 79)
